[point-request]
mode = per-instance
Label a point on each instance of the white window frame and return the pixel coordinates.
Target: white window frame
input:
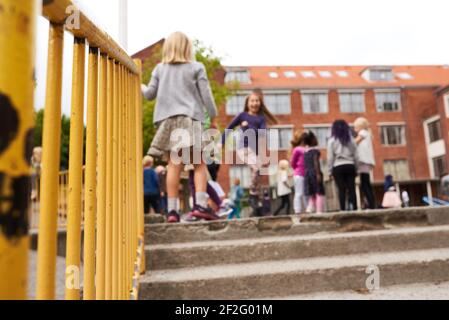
(279, 92)
(382, 125)
(235, 78)
(287, 144)
(381, 70)
(315, 92)
(446, 104)
(386, 91)
(435, 149)
(395, 176)
(346, 91)
(433, 165)
(239, 93)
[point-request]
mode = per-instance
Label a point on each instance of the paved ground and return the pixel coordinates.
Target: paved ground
(426, 291)
(60, 276)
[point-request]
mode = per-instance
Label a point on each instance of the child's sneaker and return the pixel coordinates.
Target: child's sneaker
(310, 209)
(189, 217)
(173, 217)
(204, 213)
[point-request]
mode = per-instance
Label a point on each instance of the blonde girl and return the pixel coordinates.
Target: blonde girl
(366, 163)
(284, 187)
(182, 92)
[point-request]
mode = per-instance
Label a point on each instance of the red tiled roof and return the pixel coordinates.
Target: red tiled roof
(421, 76)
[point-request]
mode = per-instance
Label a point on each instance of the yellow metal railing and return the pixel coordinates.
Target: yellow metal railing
(112, 189)
(63, 190)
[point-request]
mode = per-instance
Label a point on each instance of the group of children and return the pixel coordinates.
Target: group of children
(184, 100)
(307, 176)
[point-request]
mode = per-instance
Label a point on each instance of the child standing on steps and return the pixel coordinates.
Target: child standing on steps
(284, 189)
(250, 121)
(182, 90)
(297, 162)
(313, 178)
(366, 163)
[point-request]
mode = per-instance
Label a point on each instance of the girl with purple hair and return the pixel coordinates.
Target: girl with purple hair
(342, 160)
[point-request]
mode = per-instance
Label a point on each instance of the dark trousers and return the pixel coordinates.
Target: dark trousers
(164, 204)
(285, 203)
(151, 201)
(345, 179)
(367, 190)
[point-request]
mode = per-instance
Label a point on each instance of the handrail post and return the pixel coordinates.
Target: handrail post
(17, 52)
(48, 216)
(102, 165)
(111, 115)
(72, 290)
(115, 185)
(139, 140)
(90, 189)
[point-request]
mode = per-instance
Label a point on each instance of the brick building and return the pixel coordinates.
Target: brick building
(407, 106)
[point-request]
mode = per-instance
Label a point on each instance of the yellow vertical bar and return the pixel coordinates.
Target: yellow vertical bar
(133, 177)
(136, 255)
(109, 176)
(120, 185)
(123, 184)
(115, 185)
(139, 195)
(72, 285)
(126, 181)
(128, 171)
(90, 188)
(134, 233)
(17, 53)
(48, 216)
(132, 180)
(102, 185)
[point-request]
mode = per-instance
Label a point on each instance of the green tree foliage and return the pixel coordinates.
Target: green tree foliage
(213, 65)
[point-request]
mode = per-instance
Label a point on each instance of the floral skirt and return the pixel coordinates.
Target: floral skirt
(176, 133)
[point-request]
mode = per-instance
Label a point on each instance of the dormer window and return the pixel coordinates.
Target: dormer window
(241, 76)
(379, 74)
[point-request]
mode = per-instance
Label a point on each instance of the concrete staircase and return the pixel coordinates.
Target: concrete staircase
(282, 257)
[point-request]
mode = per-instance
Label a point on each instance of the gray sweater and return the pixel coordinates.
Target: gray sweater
(338, 154)
(180, 89)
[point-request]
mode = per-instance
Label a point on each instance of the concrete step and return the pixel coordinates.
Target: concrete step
(295, 277)
(419, 291)
(206, 253)
(160, 233)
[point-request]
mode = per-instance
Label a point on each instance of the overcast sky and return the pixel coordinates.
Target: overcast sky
(276, 32)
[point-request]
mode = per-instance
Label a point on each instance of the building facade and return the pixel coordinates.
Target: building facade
(407, 107)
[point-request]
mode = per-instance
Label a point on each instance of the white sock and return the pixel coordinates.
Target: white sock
(173, 204)
(201, 199)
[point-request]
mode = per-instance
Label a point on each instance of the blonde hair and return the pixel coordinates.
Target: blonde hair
(361, 123)
(284, 165)
(147, 161)
(177, 48)
(37, 155)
